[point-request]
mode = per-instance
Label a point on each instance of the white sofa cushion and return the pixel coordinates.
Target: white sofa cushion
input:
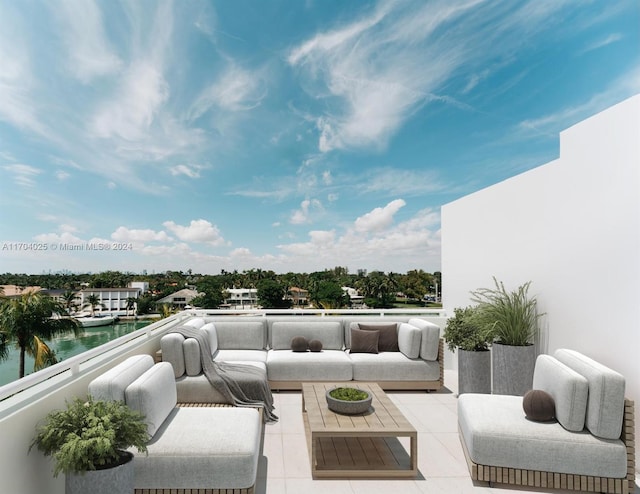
(496, 433)
(154, 395)
(430, 341)
(173, 352)
(568, 389)
(241, 356)
(196, 322)
(202, 448)
(191, 350)
(330, 333)
(241, 335)
(111, 385)
(409, 338)
(605, 405)
(392, 366)
(327, 365)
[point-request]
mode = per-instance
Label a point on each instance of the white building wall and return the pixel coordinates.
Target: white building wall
(572, 227)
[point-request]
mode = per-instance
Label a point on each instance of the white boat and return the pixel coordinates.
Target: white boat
(96, 320)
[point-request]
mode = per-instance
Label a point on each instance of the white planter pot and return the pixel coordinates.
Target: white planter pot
(117, 480)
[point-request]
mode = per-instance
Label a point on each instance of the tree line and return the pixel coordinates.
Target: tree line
(379, 289)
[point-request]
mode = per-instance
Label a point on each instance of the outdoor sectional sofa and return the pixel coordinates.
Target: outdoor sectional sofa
(192, 449)
(266, 342)
(590, 447)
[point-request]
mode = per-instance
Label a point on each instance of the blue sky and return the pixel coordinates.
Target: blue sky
(287, 135)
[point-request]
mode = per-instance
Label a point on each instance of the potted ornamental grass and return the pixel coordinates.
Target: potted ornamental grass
(88, 442)
(511, 319)
(466, 334)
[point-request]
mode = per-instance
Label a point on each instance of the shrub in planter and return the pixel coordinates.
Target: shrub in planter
(465, 333)
(91, 435)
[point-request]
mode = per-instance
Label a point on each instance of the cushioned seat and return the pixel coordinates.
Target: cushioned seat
(202, 448)
(327, 365)
(241, 356)
(392, 366)
(496, 433)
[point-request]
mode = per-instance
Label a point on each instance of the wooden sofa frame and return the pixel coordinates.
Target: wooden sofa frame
(553, 480)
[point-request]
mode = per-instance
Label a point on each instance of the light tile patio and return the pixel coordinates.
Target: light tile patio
(285, 469)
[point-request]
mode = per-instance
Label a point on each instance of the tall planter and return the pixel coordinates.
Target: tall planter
(512, 368)
(474, 371)
(116, 480)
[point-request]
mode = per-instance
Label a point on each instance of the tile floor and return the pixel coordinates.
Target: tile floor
(284, 466)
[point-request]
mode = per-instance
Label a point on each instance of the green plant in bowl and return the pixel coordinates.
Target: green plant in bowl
(348, 394)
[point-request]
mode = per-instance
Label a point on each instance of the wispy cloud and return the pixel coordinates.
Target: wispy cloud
(612, 38)
(90, 52)
(23, 175)
(307, 208)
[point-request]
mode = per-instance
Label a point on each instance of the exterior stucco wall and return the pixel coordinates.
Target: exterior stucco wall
(572, 227)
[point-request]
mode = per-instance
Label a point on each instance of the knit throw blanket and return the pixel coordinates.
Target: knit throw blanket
(241, 385)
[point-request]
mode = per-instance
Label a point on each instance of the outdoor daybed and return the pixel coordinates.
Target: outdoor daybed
(590, 447)
(415, 362)
(212, 449)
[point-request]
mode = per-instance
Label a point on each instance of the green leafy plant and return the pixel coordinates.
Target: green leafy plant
(465, 332)
(509, 317)
(90, 435)
(348, 394)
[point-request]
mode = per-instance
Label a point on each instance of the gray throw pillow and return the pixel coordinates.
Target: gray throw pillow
(364, 341)
(388, 341)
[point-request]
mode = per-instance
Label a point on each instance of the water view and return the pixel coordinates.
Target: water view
(69, 345)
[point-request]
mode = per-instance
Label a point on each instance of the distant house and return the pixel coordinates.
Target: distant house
(241, 298)
(179, 299)
(142, 285)
(12, 291)
(357, 300)
(299, 296)
(112, 300)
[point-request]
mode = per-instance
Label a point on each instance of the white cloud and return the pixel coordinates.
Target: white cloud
(23, 175)
(379, 218)
(191, 171)
(62, 175)
(303, 215)
(197, 231)
(90, 53)
(236, 90)
(130, 114)
(55, 238)
(124, 234)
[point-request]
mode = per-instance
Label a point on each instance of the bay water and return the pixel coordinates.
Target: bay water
(69, 345)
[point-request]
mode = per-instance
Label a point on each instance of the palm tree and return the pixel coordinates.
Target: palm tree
(93, 301)
(131, 304)
(69, 299)
(27, 321)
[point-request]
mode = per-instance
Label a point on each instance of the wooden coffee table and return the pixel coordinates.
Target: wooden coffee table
(357, 446)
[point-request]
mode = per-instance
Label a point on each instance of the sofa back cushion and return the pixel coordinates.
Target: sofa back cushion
(241, 335)
(172, 352)
(111, 385)
(330, 333)
(430, 341)
(605, 405)
(154, 395)
(196, 322)
(409, 338)
(568, 389)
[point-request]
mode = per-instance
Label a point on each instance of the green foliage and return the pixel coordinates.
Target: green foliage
(26, 321)
(271, 294)
(463, 331)
(329, 295)
(90, 435)
(511, 318)
(348, 394)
